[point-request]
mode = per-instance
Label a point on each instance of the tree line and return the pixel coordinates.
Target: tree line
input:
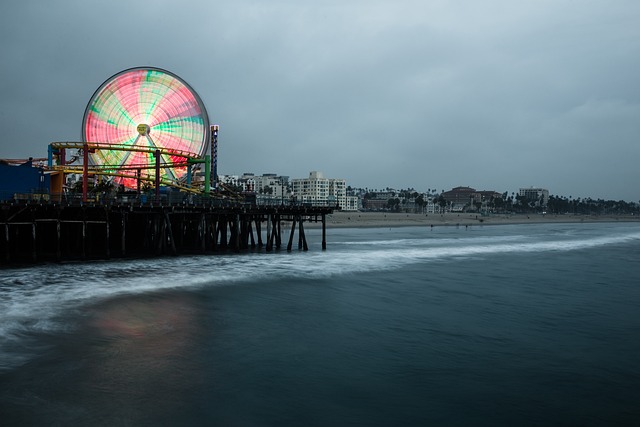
(404, 200)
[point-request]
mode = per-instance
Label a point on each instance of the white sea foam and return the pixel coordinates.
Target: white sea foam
(433, 241)
(411, 253)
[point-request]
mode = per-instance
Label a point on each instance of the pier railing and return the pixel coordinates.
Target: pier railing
(172, 198)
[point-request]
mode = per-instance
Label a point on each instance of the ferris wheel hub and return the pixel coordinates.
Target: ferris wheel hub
(143, 129)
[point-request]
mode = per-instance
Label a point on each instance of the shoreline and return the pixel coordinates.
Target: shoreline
(393, 219)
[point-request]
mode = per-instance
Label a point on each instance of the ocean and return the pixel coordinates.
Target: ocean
(509, 325)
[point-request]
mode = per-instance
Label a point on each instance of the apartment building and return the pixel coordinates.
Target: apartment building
(539, 195)
(461, 197)
(318, 190)
(267, 184)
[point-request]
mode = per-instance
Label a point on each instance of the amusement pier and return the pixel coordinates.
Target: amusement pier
(141, 183)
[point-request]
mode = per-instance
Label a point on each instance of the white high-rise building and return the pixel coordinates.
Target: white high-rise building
(320, 191)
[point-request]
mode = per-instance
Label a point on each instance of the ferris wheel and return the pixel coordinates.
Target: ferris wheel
(140, 110)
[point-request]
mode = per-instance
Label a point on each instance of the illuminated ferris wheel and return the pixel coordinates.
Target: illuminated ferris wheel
(145, 108)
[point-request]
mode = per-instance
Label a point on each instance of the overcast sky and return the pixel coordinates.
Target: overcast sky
(494, 95)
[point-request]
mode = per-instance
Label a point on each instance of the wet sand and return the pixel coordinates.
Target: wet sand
(389, 219)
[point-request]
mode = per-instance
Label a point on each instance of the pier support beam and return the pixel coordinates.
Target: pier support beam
(214, 230)
(7, 254)
(250, 231)
(324, 232)
(108, 238)
(35, 241)
(222, 229)
(158, 234)
(84, 238)
(123, 246)
(169, 236)
(58, 240)
(259, 231)
(236, 234)
(293, 230)
(202, 233)
(279, 233)
(269, 241)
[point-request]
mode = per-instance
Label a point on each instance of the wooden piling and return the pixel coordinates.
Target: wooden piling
(201, 233)
(107, 240)
(303, 238)
(34, 254)
(324, 232)
(279, 233)
(158, 238)
(223, 233)
(123, 245)
(236, 236)
(300, 232)
(269, 241)
(58, 240)
(215, 224)
(293, 230)
(172, 242)
(250, 230)
(84, 239)
(7, 255)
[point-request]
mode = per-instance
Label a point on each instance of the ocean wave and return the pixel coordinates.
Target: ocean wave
(32, 300)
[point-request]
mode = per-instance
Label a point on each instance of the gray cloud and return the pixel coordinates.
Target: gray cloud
(495, 95)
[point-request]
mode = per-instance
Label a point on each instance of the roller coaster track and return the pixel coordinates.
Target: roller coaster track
(144, 176)
(121, 171)
(123, 147)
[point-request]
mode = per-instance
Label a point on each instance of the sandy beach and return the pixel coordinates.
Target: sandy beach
(389, 219)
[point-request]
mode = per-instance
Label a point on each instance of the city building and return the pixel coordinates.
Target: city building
(318, 190)
(431, 207)
(460, 198)
(268, 187)
(378, 200)
(24, 180)
(272, 185)
(538, 195)
(353, 203)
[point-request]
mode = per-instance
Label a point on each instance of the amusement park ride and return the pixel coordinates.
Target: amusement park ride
(142, 125)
